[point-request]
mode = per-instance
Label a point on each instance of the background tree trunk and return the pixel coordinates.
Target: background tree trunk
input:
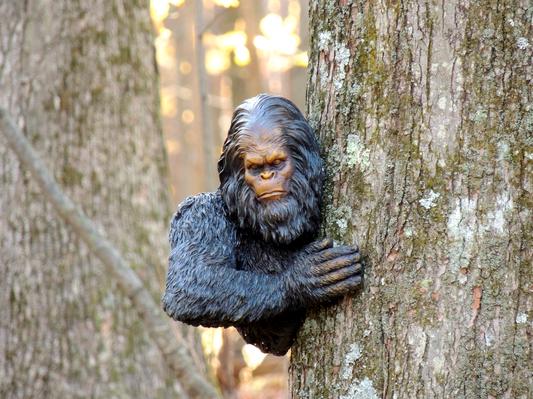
(424, 112)
(80, 79)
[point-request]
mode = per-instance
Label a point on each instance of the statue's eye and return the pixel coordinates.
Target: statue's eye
(277, 162)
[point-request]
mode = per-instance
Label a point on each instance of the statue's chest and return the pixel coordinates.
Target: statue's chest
(255, 255)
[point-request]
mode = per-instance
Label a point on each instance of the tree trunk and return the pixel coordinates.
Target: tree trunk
(80, 80)
(424, 113)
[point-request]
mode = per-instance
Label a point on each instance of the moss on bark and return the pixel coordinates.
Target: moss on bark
(423, 110)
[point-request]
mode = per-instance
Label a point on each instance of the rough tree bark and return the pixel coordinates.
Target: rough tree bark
(156, 324)
(424, 112)
(81, 81)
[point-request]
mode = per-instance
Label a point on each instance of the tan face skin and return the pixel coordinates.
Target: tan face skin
(268, 166)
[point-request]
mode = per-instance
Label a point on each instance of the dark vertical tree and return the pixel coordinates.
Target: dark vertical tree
(424, 112)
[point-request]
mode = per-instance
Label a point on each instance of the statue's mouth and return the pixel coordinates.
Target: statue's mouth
(273, 195)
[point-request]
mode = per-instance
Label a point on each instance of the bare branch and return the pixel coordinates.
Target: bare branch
(213, 20)
(203, 109)
(158, 326)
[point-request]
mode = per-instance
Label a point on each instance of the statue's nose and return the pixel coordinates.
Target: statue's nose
(267, 174)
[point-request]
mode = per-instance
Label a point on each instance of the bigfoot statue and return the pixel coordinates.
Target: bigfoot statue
(247, 255)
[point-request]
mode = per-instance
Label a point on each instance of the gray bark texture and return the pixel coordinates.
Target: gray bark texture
(424, 112)
(156, 324)
(81, 82)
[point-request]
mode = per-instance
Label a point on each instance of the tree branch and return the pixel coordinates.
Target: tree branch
(158, 326)
(203, 108)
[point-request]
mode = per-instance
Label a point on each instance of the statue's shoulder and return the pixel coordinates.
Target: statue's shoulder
(201, 204)
(200, 213)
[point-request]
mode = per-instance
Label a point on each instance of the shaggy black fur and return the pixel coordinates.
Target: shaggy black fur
(236, 261)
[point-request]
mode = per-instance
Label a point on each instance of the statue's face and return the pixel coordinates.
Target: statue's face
(271, 172)
(268, 166)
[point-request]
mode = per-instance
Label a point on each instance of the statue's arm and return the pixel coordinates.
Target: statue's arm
(203, 286)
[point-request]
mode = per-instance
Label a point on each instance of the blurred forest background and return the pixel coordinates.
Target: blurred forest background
(248, 47)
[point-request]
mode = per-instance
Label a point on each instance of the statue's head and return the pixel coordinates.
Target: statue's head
(270, 170)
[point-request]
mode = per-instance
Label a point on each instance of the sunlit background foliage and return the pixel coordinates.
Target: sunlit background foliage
(212, 55)
(277, 44)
